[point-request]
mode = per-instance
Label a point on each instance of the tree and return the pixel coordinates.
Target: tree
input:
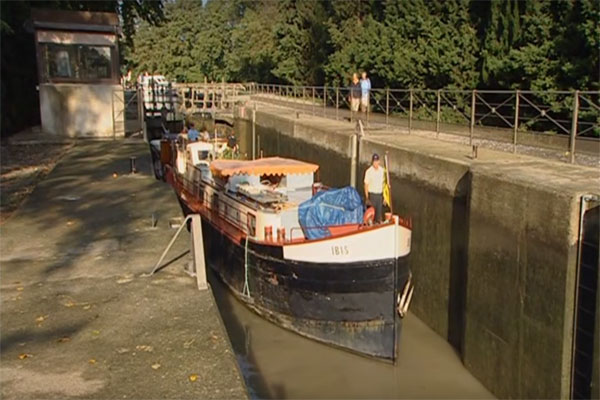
(301, 36)
(253, 44)
(167, 48)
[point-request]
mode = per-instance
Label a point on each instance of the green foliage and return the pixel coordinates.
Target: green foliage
(457, 44)
(301, 42)
(253, 44)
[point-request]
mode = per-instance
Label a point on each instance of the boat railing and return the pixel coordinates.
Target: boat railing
(241, 221)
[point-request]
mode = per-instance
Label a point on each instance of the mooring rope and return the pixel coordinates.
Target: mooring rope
(246, 289)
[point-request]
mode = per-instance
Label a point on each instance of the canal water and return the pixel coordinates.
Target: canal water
(277, 363)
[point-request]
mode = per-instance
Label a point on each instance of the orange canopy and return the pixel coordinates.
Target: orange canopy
(262, 166)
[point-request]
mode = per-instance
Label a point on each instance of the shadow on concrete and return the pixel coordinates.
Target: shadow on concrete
(459, 240)
(172, 260)
(35, 336)
(82, 213)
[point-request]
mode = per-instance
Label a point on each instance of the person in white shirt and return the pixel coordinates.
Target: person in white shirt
(374, 180)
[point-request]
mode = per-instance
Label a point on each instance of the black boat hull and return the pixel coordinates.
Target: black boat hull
(352, 306)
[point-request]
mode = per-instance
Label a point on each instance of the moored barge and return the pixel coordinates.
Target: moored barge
(301, 255)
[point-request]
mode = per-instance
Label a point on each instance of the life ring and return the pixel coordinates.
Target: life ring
(369, 216)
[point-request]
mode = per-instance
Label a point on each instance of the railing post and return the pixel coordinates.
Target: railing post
(472, 125)
(223, 94)
(303, 98)
(337, 102)
(204, 95)
(574, 127)
(410, 110)
(324, 100)
(313, 100)
(516, 122)
(437, 115)
(387, 106)
(254, 132)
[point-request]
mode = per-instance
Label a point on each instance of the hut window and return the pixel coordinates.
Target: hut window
(77, 61)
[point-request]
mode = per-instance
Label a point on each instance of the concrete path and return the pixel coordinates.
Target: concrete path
(77, 317)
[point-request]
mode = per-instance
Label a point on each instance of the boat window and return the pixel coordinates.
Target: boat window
(272, 180)
(251, 221)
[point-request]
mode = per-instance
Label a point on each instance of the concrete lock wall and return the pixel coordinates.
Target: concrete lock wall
(433, 192)
(596, 366)
(493, 252)
(520, 286)
(82, 110)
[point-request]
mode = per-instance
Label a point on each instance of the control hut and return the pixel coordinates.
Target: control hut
(78, 72)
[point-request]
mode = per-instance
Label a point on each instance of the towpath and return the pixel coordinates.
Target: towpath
(78, 318)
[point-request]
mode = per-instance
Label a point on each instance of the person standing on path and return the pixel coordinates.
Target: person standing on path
(365, 86)
(355, 95)
(374, 181)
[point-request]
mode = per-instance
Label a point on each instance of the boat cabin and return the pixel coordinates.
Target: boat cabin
(260, 197)
(268, 190)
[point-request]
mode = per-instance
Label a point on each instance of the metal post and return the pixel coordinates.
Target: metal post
(410, 111)
(204, 94)
(337, 102)
(354, 160)
(387, 106)
(223, 94)
(368, 108)
(303, 96)
(313, 100)
(140, 107)
(472, 125)
(254, 132)
(324, 100)
(439, 109)
(175, 236)
(258, 144)
(112, 102)
(516, 122)
(574, 127)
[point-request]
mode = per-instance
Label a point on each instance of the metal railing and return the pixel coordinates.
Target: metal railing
(557, 119)
(197, 97)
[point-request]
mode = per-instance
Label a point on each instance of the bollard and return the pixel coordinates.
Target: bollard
(132, 169)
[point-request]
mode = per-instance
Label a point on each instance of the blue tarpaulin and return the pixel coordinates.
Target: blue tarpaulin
(327, 208)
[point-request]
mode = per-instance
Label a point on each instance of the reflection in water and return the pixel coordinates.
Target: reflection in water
(277, 363)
